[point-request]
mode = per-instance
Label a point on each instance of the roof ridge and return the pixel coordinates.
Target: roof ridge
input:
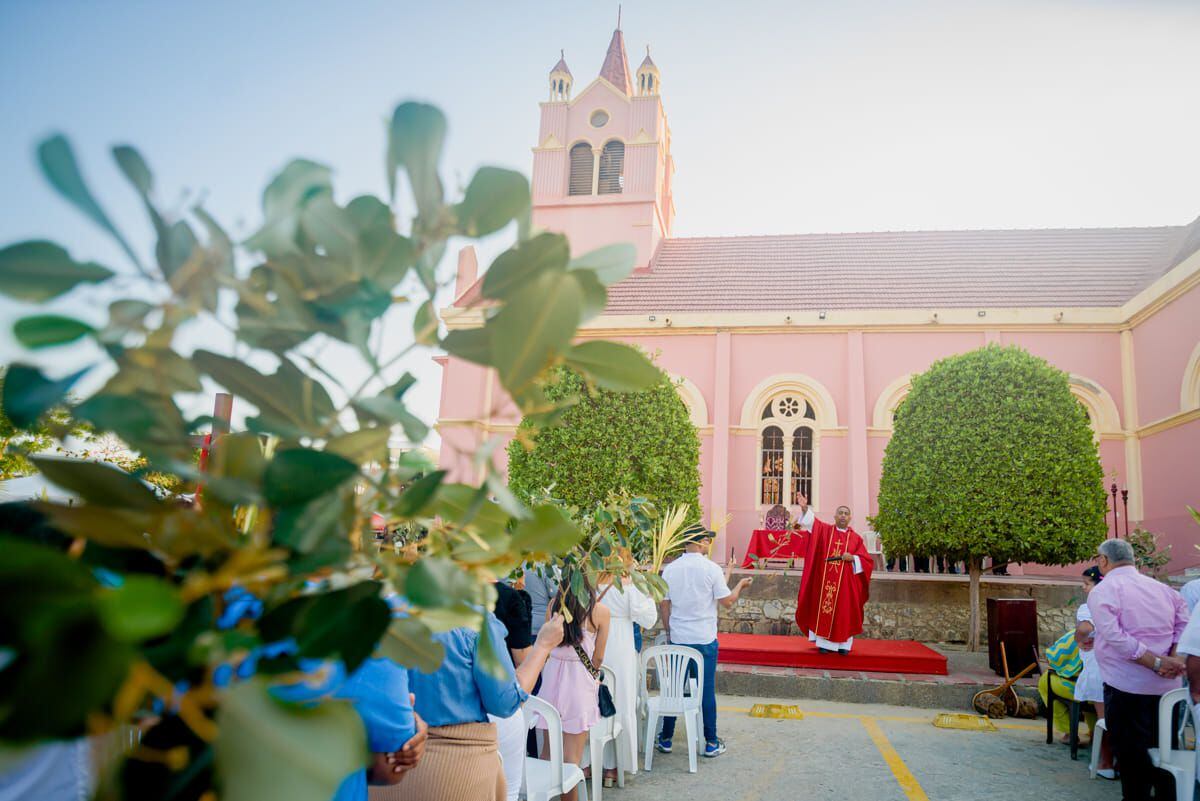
(727, 237)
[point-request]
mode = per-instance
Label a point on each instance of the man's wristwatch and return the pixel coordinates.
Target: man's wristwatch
(1157, 663)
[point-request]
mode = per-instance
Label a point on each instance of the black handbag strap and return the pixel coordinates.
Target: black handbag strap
(587, 662)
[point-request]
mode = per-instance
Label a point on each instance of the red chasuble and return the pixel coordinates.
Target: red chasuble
(831, 599)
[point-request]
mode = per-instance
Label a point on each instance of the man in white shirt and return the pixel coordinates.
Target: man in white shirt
(695, 585)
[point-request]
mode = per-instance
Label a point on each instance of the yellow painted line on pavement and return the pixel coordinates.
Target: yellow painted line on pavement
(890, 718)
(908, 783)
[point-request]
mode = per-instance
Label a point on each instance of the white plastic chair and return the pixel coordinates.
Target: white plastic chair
(671, 664)
(1180, 764)
(547, 778)
(1097, 739)
(606, 731)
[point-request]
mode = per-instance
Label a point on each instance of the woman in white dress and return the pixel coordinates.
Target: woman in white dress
(628, 605)
(1089, 687)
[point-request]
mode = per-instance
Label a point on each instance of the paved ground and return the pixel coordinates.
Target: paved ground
(867, 752)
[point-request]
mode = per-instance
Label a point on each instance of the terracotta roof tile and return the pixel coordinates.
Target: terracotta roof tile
(894, 270)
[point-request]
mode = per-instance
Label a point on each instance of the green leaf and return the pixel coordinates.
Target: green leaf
(410, 643)
(549, 531)
(390, 411)
(614, 366)
(298, 475)
(437, 583)
(135, 168)
(44, 330)
(595, 296)
(98, 483)
(345, 623)
(419, 494)
(126, 315)
(50, 623)
(516, 267)
(503, 495)
(237, 456)
(364, 445)
(425, 324)
(494, 198)
(383, 257)
(175, 248)
(268, 749)
(131, 163)
(472, 344)
(62, 171)
(415, 140)
(330, 226)
(156, 370)
(306, 527)
(28, 394)
(611, 263)
(144, 422)
(37, 271)
(289, 400)
(141, 608)
(283, 201)
(534, 328)
(467, 505)
(489, 658)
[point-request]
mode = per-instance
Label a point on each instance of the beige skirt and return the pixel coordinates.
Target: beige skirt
(461, 763)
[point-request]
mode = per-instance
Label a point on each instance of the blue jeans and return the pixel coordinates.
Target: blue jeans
(708, 701)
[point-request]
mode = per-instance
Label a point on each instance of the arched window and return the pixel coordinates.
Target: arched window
(612, 169)
(772, 466)
(802, 465)
(581, 170)
(787, 462)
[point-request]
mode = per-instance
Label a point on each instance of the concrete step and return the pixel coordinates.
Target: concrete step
(951, 693)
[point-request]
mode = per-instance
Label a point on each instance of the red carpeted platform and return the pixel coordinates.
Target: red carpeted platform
(877, 656)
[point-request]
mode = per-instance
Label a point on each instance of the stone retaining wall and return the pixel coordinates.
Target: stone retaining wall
(906, 606)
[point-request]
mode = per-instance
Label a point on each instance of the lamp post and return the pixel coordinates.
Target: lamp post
(1125, 506)
(1116, 525)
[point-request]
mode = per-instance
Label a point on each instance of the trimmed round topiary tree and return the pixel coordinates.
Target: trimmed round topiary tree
(992, 456)
(642, 442)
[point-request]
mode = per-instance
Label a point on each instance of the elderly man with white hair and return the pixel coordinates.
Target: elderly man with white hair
(1139, 622)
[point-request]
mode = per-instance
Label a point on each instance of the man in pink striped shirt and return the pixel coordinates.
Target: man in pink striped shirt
(1138, 625)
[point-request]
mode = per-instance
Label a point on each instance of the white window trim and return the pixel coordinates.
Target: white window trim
(788, 427)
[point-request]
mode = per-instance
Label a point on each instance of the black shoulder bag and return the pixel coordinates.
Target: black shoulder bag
(604, 696)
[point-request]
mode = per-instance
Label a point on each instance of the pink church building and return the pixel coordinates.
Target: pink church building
(792, 352)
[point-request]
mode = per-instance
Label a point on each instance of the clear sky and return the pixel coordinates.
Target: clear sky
(787, 116)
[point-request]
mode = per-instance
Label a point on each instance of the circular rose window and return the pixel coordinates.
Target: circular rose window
(599, 118)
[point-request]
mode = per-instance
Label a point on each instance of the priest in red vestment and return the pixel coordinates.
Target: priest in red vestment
(835, 584)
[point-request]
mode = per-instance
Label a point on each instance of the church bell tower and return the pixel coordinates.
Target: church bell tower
(602, 166)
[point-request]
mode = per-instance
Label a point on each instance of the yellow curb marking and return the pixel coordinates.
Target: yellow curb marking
(908, 783)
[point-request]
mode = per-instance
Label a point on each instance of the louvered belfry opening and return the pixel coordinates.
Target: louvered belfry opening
(612, 168)
(581, 170)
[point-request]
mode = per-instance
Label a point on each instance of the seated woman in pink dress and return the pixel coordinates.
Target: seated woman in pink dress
(567, 684)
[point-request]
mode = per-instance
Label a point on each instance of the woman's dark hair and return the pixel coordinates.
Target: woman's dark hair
(1094, 574)
(567, 598)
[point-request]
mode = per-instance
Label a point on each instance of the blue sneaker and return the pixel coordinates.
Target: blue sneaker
(663, 746)
(714, 749)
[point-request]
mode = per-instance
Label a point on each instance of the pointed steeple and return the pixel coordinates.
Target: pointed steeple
(648, 78)
(616, 65)
(560, 79)
(561, 66)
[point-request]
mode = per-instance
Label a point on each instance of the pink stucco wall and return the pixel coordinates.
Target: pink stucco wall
(1162, 346)
(823, 357)
(1171, 483)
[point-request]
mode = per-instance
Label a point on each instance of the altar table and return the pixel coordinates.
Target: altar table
(773, 545)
